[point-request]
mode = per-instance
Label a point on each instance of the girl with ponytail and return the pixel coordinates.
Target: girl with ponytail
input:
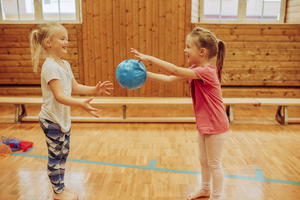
(58, 83)
(205, 81)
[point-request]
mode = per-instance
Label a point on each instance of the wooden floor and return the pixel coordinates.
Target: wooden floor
(156, 161)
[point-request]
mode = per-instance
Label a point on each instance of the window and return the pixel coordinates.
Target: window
(36, 11)
(241, 11)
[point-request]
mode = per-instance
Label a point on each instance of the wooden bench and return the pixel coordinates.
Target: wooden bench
(283, 104)
(229, 103)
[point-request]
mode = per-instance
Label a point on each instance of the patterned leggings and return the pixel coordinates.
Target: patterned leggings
(58, 144)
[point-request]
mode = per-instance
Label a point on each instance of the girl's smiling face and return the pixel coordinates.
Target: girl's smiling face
(59, 43)
(192, 52)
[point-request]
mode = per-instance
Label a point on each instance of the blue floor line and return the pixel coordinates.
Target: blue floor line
(150, 166)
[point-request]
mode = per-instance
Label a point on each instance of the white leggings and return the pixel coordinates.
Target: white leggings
(210, 153)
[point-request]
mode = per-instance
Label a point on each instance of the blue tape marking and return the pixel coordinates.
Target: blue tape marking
(150, 166)
(259, 174)
(152, 163)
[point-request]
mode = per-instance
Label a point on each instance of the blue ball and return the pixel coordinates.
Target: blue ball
(131, 74)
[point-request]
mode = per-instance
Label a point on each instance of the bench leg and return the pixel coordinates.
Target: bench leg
(18, 117)
(229, 111)
(124, 111)
(282, 119)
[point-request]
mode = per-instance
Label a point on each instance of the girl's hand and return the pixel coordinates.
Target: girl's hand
(86, 106)
(140, 56)
(104, 87)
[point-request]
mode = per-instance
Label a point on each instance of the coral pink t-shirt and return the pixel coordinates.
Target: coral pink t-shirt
(208, 105)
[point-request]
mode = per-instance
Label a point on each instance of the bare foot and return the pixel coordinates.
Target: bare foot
(65, 196)
(198, 193)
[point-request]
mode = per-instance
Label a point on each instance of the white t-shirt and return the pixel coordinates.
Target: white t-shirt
(51, 109)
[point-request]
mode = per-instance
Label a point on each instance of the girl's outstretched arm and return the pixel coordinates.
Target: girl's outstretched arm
(164, 78)
(166, 66)
(99, 88)
(60, 97)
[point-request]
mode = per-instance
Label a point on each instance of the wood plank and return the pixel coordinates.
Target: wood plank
(8, 70)
(259, 38)
(188, 29)
(269, 71)
(174, 43)
(168, 44)
(282, 58)
(123, 47)
(246, 26)
(181, 44)
(249, 82)
(260, 92)
(136, 33)
(90, 43)
(278, 102)
(155, 45)
(162, 37)
(85, 19)
(129, 35)
(103, 37)
(260, 64)
(149, 42)
(97, 40)
(116, 40)
(143, 37)
(263, 45)
(241, 101)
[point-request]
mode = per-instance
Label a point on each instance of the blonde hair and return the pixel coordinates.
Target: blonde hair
(204, 38)
(37, 40)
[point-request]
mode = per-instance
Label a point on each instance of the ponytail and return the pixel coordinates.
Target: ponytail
(36, 48)
(220, 58)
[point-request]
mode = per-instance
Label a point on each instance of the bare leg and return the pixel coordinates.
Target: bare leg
(198, 194)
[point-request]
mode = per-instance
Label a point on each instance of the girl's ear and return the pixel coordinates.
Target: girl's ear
(203, 52)
(47, 43)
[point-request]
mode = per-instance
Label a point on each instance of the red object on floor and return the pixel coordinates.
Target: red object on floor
(26, 145)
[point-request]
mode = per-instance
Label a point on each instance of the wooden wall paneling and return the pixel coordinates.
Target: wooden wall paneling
(123, 47)
(86, 61)
(135, 34)
(129, 34)
(263, 92)
(116, 44)
(91, 41)
(142, 34)
(110, 62)
(162, 41)
(181, 43)
(149, 42)
(188, 29)
(80, 55)
(168, 44)
(155, 46)
(15, 55)
(265, 56)
(174, 43)
(96, 28)
(103, 40)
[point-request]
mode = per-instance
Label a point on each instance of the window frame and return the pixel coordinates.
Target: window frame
(38, 13)
(242, 15)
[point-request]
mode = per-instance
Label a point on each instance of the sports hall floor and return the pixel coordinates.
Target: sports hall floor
(155, 161)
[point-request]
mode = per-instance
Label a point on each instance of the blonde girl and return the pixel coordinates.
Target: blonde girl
(211, 119)
(58, 82)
